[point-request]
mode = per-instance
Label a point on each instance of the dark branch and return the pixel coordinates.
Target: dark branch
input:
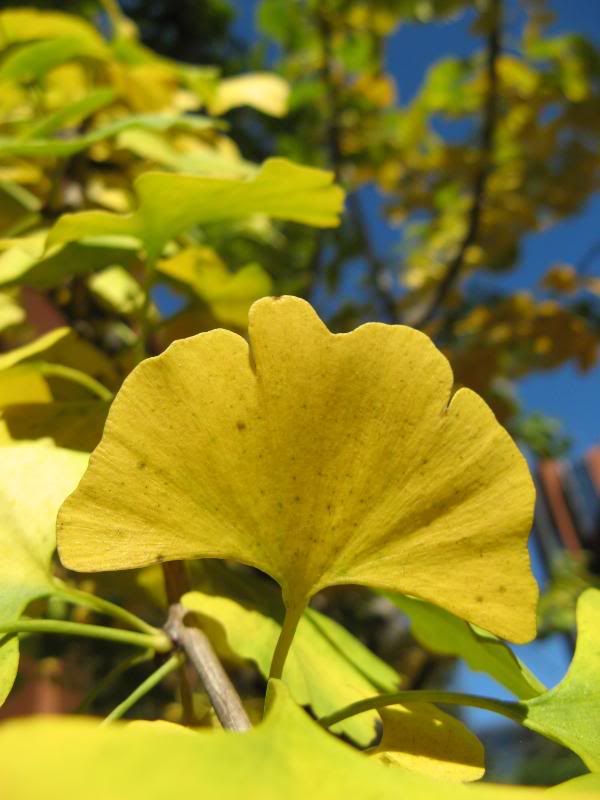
(486, 142)
(222, 693)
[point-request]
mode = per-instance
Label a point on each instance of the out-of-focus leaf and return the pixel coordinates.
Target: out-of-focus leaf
(587, 785)
(71, 114)
(117, 290)
(71, 424)
(441, 632)
(64, 346)
(19, 209)
(61, 147)
(11, 312)
(262, 90)
(229, 295)
(30, 263)
(34, 480)
(170, 204)
(32, 61)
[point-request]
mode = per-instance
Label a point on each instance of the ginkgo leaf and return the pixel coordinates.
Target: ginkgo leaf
(29, 24)
(440, 631)
(34, 480)
(584, 785)
(229, 295)
(263, 90)
(30, 263)
(327, 667)
(288, 755)
(421, 738)
(320, 459)
(170, 204)
(32, 61)
(570, 712)
(11, 312)
(64, 346)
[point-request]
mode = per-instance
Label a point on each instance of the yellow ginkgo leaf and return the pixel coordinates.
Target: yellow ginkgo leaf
(320, 459)
(424, 739)
(262, 90)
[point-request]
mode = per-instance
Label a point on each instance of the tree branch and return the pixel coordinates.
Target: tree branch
(486, 142)
(222, 693)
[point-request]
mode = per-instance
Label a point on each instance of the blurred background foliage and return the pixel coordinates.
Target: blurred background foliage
(492, 148)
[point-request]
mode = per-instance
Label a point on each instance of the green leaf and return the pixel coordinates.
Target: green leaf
(32, 148)
(441, 632)
(170, 204)
(117, 290)
(286, 756)
(262, 90)
(34, 481)
(30, 263)
(32, 61)
(570, 712)
(327, 667)
(71, 114)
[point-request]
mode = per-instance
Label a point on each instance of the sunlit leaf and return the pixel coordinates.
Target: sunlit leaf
(424, 739)
(320, 459)
(34, 480)
(441, 632)
(117, 290)
(327, 667)
(286, 756)
(262, 90)
(29, 24)
(229, 295)
(570, 712)
(584, 785)
(11, 312)
(170, 204)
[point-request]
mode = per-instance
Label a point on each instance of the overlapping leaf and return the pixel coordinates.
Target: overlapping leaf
(570, 712)
(170, 204)
(440, 631)
(34, 480)
(319, 459)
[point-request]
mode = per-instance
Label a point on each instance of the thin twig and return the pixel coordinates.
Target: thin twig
(486, 142)
(222, 693)
(176, 585)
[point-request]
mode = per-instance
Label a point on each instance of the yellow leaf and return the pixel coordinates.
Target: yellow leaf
(320, 459)
(424, 739)
(262, 90)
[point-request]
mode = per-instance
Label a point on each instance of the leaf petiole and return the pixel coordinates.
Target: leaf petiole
(80, 598)
(158, 641)
(512, 710)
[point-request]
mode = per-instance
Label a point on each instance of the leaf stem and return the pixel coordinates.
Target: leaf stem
(512, 710)
(89, 600)
(158, 641)
(286, 637)
(75, 376)
(173, 663)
